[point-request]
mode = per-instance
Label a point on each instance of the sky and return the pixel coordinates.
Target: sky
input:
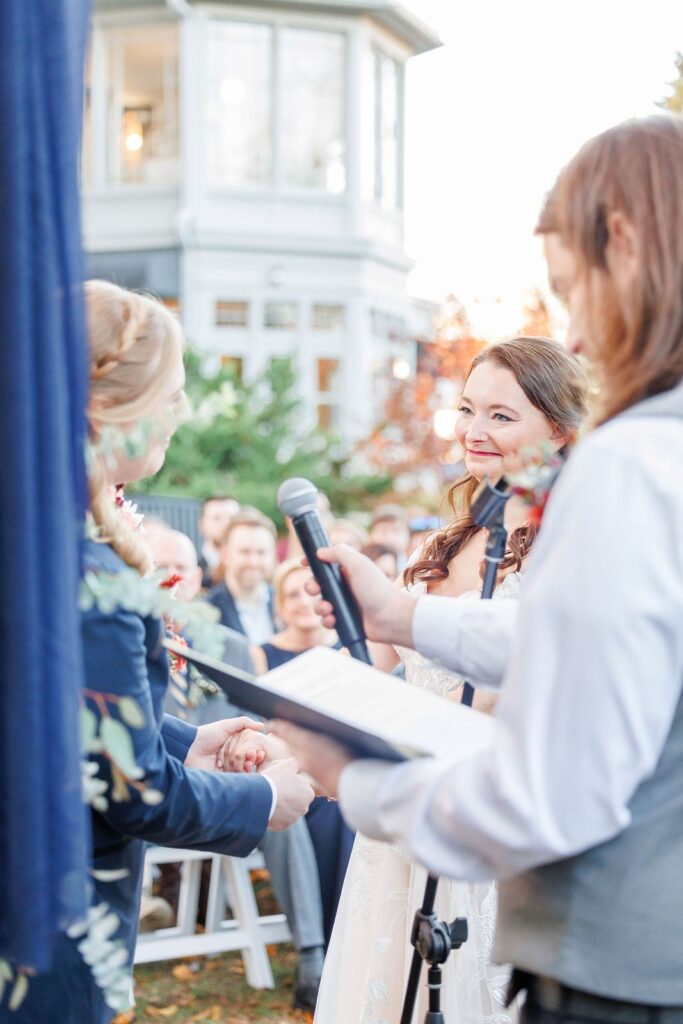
(493, 115)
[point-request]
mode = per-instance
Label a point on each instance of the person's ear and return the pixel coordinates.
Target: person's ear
(622, 251)
(558, 439)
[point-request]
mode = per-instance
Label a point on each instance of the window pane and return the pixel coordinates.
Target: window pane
(232, 314)
(328, 370)
(143, 106)
(389, 129)
(388, 325)
(280, 315)
(313, 109)
(369, 123)
(328, 417)
(239, 104)
(327, 317)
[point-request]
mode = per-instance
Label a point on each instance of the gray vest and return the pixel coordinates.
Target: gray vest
(610, 920)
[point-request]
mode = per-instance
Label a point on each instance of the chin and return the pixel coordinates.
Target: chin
(482, 468)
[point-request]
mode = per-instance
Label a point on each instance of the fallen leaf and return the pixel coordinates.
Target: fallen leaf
(181, 972)
(162, 1011)
(127, 1017)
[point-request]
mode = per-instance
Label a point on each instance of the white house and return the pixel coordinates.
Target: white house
(245, 161)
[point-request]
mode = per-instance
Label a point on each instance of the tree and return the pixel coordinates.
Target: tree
(245, 439)
(537, 319)
(674, 102)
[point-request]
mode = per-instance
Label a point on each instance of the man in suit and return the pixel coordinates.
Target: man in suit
(245, 598)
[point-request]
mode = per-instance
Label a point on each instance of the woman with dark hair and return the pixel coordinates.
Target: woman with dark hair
(519, 396)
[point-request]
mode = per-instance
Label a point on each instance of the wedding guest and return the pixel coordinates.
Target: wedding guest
(216, 513)
(588, 847)
(244, 597)
(346, 531)
(289, 855)
(389, 526)
(332, 839)
(383, 557)
(160, 782)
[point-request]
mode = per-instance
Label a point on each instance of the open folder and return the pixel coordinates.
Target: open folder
(373, 713)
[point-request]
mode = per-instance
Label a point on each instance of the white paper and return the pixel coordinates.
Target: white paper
(416, 722)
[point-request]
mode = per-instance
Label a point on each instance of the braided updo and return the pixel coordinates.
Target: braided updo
(135, 344)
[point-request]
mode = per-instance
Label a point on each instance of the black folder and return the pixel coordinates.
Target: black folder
(252, 694)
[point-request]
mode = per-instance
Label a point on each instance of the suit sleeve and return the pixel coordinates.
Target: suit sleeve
(178, 736)
(222, 813)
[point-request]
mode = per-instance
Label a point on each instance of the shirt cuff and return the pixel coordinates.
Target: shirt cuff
(359, 784)
(273, 790)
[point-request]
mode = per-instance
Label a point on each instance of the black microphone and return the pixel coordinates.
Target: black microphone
(296, 499)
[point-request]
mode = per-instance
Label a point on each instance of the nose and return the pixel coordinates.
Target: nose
(476, 429)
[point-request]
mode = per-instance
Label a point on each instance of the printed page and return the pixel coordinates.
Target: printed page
(412, 719)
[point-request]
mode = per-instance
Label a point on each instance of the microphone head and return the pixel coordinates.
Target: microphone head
(296, 495)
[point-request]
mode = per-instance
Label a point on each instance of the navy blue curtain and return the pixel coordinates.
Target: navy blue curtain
(43, 825)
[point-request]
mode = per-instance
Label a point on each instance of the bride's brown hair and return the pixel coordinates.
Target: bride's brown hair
(555, 384)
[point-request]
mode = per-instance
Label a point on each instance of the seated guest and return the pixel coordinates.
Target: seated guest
(345, 531)
(294, 608)
(420, 529)
(244, 598)
(383, 557)
(389, 526)
(289, 855)
(215, 515)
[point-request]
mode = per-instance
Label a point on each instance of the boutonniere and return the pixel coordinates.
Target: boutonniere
(535, 481)
(128, 510)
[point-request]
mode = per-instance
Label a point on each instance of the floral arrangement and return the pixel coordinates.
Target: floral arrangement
(534, 482)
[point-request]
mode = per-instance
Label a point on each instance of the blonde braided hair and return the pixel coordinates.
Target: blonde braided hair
(135, 343)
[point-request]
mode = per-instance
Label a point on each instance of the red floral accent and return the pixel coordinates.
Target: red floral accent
(177, 664)
(171, 582)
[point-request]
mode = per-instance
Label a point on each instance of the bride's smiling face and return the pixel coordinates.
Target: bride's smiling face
(497, 422)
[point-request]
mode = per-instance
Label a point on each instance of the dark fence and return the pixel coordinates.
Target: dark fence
(180, 513)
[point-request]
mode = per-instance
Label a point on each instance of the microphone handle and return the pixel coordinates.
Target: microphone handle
(335, 589)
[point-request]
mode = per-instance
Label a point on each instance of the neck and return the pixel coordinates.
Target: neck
(248, 595)
(302, 639)
(516, 513)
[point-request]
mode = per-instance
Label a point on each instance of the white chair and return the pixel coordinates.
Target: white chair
(230, 885)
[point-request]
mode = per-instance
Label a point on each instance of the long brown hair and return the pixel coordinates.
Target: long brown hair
(554, 383)
(636, 169)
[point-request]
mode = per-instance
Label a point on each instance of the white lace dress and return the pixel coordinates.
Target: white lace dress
(368, 960)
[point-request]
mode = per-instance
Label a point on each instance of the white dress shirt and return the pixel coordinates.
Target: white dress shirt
(592, 667)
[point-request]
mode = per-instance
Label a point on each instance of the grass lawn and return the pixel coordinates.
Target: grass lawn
(213, 989)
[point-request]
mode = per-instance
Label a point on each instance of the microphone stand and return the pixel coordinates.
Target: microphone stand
(433, 940)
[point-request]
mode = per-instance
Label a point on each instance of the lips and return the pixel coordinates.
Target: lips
(492, 455)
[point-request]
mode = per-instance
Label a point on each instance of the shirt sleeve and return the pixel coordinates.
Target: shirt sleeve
(471, 638)
(589, 694)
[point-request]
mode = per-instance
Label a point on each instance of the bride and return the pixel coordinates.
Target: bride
(519, 395)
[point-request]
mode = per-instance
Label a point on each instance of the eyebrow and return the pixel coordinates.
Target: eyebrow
(505, 408)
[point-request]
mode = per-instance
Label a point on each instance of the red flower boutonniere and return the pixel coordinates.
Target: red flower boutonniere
(173, 580)
(176, 662)
(534, 483)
